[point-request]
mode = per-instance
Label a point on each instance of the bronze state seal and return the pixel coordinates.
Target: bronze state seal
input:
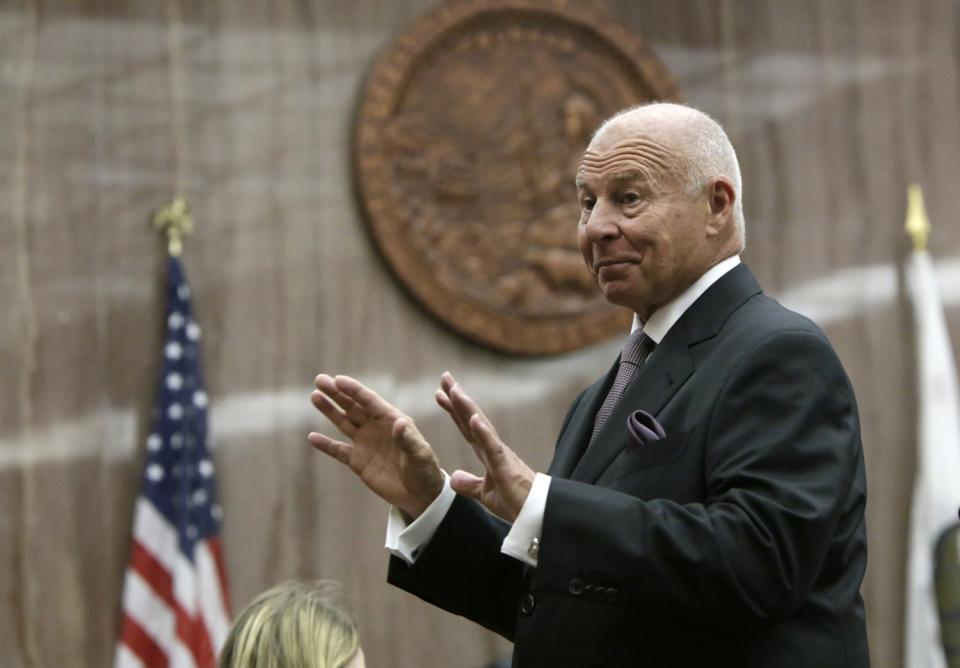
(470, 128)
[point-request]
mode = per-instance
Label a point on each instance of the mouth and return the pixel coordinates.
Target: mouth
(613, 263)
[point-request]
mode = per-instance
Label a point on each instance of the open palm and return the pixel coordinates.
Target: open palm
(386, 450)
(507, 479)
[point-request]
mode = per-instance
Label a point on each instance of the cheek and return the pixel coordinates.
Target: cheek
(645, 236)
(586, 248)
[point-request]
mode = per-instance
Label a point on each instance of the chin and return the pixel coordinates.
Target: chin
(616, 294)
(623, 296)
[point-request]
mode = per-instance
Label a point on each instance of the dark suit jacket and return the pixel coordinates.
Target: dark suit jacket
(737, 540)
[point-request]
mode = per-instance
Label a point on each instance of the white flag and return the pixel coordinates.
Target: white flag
(936, 492)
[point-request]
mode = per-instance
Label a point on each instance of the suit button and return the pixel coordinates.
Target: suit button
(576, 586)
(611, 594)
(527, 603)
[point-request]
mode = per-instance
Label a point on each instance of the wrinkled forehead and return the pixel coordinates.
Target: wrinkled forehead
(645, 156)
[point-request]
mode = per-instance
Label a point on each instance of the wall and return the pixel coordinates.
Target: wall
(110, 108)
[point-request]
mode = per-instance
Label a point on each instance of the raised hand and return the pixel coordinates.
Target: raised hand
(504, 488)
(386, 450)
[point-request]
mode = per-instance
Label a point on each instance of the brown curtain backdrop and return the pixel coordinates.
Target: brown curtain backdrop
(109, 108)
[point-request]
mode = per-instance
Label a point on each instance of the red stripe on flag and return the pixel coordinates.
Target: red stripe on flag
(216, 550)
(193, 634)
(189, 628)
(155, 573)
(141, 644)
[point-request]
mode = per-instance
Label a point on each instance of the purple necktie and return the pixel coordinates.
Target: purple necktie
(634, 354)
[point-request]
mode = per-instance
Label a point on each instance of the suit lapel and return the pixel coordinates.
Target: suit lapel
(655, 383)
(664, 372)
(574, 440)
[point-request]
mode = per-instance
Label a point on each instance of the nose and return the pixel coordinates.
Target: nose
(602, 223)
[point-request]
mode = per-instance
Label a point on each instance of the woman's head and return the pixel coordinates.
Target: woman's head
(294, 625)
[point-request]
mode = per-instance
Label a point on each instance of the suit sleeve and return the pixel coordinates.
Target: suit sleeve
(781, 450)
(462, 569)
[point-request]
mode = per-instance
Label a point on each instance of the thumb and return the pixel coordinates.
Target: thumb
(466, 484)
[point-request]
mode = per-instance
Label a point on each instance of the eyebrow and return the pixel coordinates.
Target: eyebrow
(629, 175)
(619, 177)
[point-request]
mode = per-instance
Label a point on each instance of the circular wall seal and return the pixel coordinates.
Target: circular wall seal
(470, 129)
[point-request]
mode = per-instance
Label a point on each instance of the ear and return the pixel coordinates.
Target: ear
(720, 199)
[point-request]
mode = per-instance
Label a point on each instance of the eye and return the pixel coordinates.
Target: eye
(630, 198)
(588, 203)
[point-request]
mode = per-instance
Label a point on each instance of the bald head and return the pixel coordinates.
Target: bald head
(697, 148)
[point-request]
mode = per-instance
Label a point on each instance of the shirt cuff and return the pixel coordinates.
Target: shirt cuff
(408, 540)
(523, 540)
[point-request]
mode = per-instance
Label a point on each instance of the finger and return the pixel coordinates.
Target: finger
(446, 404)
(334, 413)
(463, 406)
(447, 383)
(336, 449)
(322, 381)
(354, 411)
(493, 449)
(466, 407)
(327, 385)
(462, 422)
(444, 401)
(466, 484)
(369, 401)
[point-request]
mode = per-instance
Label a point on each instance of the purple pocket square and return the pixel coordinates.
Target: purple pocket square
(644, 428)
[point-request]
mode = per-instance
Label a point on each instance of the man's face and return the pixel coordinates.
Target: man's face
(640, 234)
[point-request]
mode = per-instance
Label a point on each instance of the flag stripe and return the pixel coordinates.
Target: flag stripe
(138, 648)
(212, 607)
(151, 529)
(125, 658)
(184, 584)
(156, 536)
(172, 629)
(149, 611)
(188, 627)
(193, 637)
(216, 549)
(183, 657)
(158, 577)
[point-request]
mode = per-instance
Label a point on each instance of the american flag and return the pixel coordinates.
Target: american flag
(175, 601)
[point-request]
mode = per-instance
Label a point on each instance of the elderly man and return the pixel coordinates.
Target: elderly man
(704, 506)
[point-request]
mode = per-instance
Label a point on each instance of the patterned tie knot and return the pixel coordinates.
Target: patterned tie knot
(634, 354)
(636, 349)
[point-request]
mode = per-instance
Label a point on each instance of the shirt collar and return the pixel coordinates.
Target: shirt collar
(665, 317)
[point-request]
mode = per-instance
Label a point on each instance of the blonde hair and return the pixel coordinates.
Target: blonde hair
(293, 625)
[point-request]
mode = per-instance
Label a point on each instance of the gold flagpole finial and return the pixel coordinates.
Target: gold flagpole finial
(918, 225)
(174, 220)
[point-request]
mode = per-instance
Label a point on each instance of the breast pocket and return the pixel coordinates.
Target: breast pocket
(671, 468)
(636, 459)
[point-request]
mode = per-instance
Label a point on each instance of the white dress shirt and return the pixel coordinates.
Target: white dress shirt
(523, 539)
